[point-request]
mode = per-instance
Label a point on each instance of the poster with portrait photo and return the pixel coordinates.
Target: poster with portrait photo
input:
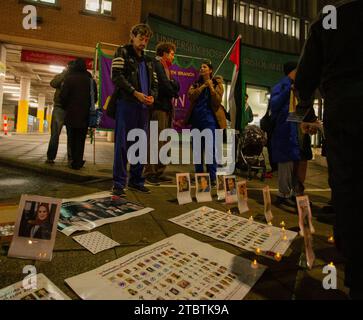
(306, 228)
(203, 187)
(221, 193)
(183, 188)
(267, 204)
(230, 189)
(242, 197)
(91, 211)
(35, 228)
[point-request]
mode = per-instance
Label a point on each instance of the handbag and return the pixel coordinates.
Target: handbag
(267, 124)
(111, 105)
(95, 114)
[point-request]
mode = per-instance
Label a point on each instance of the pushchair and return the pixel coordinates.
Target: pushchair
(250, 155)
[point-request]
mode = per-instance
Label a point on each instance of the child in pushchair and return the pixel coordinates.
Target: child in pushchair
(250, 152)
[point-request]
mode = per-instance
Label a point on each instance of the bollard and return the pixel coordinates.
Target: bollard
(5, 125)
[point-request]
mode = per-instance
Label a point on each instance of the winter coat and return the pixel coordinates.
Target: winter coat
(168, 88)
(76, 98)
(285, 144)
(125, 73)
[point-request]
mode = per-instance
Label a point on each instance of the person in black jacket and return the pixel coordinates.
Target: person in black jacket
(136, 85)
(58, 116)
(76, 100)
(162, 111)
(332, 59)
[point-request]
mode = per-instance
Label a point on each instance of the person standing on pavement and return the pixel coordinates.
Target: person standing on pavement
(57, 123)
(332, 60)
(285, 144)
(206, 112)
(162, 111)
(136, 85)
(76, 99)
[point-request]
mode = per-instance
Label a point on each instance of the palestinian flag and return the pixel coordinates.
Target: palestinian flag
(235, 96)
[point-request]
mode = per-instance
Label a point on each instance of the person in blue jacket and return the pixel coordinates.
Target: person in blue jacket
(285, 144)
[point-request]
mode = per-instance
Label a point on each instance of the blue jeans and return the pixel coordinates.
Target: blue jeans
(129, 116)
(211, 168)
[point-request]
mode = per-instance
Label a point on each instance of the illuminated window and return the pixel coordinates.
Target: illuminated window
(220, 8)
(294, 28)
(260, 18)
(286, 25)
(209, 7)
(278, 23)
(99, 6)
(251, 19)
(242, 13)
(53, 2)
(306, 29)
(269, 21)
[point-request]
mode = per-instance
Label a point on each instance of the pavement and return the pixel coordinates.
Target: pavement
(282, 281)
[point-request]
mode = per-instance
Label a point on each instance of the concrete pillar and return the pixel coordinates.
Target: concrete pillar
(2, 80)
(23, 105)
(40, 111)
(49, 117)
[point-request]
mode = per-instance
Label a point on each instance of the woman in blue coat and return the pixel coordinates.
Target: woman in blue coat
(285, 144)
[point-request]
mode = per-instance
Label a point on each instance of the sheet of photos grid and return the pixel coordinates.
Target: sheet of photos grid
(243, 233)
(44, 290)
(177, 268)
(95, 242)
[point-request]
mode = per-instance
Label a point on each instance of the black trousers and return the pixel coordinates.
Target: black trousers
(344, 138)
(78, 140)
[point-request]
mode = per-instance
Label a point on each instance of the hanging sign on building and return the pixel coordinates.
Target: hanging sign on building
(51, 58)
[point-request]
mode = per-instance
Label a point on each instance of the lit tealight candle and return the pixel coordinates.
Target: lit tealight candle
(331, 239)
(284, 238)
(282, 224)
(254, 264)
(30, 242)
(258, 251)
(283, 229)
(278, 257)
(331, 264)
(229, 212)
(270, 224)
(251, 218)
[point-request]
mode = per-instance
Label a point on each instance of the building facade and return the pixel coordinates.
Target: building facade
(65, 29)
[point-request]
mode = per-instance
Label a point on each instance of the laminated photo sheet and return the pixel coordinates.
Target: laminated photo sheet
(176, 268)
(240, 232)
(89, 212)
(267, 204)
(183, 188)
(242, 197)
(221, 192)
(203, 187)
(230, 189)
(36, 228)
(306, 228)
(39, 288)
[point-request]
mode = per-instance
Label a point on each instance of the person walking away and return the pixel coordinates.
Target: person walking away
(57, 122)
(162, 111)
(76, 99)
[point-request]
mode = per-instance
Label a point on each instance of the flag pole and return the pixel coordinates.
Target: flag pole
(226, 56)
